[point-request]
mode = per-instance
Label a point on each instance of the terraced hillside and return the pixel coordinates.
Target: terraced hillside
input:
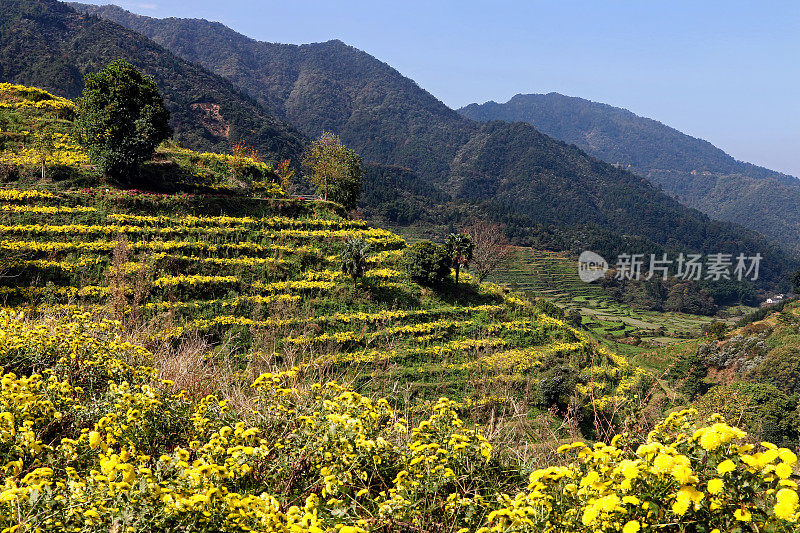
(264, 271)
(36, 131)
(251, 270)
(546, 273)
(554, 275)
(199, 362)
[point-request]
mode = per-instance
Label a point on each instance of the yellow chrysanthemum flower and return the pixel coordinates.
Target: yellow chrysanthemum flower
(715, 486)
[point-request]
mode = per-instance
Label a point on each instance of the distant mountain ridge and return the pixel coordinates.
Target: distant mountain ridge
(692, 170)
(544, 190)
(50, 45)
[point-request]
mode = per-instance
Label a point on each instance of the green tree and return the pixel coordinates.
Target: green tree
(44, 144)
(548, 308)
(354, 258)
(427, 263)
(334, 169)
(574, 318)
(460, 249)
(121, 119)
(716, 330)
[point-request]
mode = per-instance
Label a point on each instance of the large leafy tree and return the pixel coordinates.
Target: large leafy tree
(334, 169)
(121, 119)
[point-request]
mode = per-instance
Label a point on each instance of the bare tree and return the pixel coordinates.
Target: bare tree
(491, 248)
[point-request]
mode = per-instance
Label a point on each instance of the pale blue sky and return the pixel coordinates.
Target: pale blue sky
(726, 71)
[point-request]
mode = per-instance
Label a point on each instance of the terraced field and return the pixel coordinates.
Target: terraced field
(554, 275)
(264, 272)
(546, 274)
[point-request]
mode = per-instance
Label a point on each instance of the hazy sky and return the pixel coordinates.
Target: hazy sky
(726, 71)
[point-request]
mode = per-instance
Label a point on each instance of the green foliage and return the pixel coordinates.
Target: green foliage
(44, 144)
(460, 249)
(574, 318)
(796, 281)
(37, 134)
(760, 314)
(121, 119)
(672, 294)
(557, 386)
(689, 372)
(334, 169)
(427, 263)
(780, 367)
(548, 308)
(353, 258)
(761, 409)
(716, 330)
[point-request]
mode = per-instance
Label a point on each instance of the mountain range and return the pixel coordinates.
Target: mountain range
(427, 164)
(692, 170)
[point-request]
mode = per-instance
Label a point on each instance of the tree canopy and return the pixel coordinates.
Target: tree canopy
(121, 119)
(334, 169)
(460, 249)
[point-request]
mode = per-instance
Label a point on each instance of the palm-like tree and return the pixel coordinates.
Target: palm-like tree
(460, 249)
(354, 258)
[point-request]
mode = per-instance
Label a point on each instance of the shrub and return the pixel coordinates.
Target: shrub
(683, 477)
(427, 263)
(781, 368)
(574, 318)
(760, 409)
(548, 308)
(690, 372)
(96, 443)
(716, 330)
(557, 386)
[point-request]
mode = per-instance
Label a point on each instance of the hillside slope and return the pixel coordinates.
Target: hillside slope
(510, 172)
(50, 45)
(692, 170)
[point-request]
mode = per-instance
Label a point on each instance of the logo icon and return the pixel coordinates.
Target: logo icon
(591, 266)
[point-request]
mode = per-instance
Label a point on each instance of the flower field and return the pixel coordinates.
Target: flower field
(91, 439)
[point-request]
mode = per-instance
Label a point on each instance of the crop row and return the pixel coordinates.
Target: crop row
(371, 234)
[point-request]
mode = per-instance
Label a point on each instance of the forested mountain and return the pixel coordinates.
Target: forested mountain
(48, 44)
(545, 190)
(692, 170)
(383, 115)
